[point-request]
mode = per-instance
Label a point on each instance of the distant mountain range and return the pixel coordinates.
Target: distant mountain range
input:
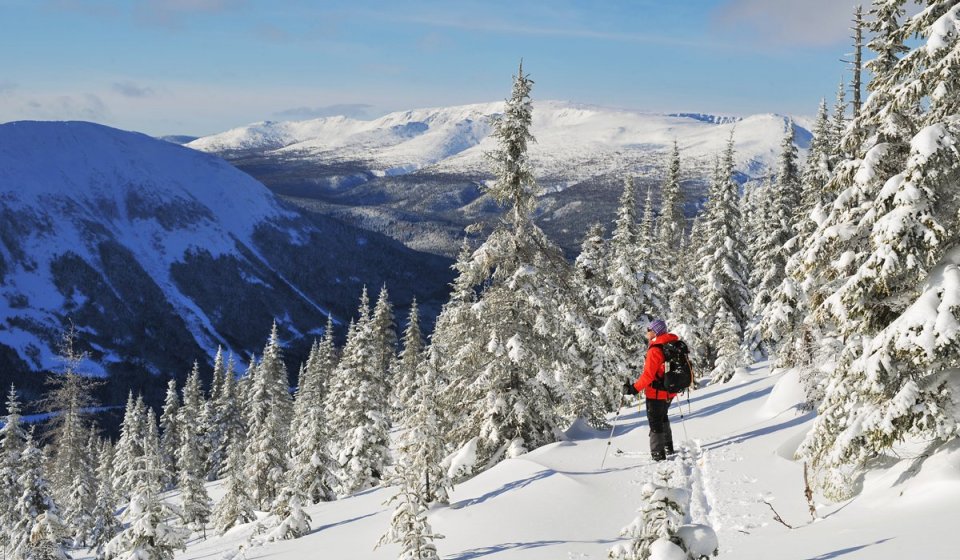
(417, 175)
(157, 254)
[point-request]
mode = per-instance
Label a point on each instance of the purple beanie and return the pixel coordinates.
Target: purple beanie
(658, 326)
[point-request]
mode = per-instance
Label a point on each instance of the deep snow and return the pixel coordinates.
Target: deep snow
(557, 503)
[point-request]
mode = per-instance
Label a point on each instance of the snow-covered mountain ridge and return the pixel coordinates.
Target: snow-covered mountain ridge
(158, 254)
(415, 175)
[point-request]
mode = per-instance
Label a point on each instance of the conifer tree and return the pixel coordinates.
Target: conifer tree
(147, 533)
(82, 498)
(231, 414)
(779, 216)
(191, 470)
(69, 397)
(313, 469)
(38, 531)
(895, 302)
(236, 506)
(105, 522)
(723, 284)
(358, 401)
(214, 427)
(170, 434)
(625, 311)
(506, 379)
(130, 446)
(13, 441)
(407, 367)
(660, 516)
(672, 221)
(270, 410)
(590, 380)
(292, 522)
(418, 475)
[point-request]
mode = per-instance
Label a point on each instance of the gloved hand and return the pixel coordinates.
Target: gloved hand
(629, 389)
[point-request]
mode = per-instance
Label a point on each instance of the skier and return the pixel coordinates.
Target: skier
(657, 400)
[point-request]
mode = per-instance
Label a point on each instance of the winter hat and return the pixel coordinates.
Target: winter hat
(658, 326)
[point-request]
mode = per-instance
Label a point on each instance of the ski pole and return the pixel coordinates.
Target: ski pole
(613, 426)
(683, 421)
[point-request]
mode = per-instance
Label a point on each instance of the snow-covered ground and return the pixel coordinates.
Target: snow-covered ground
(738, 439)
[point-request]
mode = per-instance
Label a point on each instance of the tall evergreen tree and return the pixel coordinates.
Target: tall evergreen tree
(191, 467)
(509, 392)
(236, 506)
(269, 422)
(723, 284)
(170, 434)
(38, 532)
(105, 522)
(357, 404)
(130, 446)
(406, 369)
(148, 533)
(895, 302)
(13, 441)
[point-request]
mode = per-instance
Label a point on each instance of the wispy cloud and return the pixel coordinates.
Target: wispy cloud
(7, 86)
(509, 28)
(354, 110)
(173, 13)
(130, 89)
(790, 22)
(272, 33)
(86, 106)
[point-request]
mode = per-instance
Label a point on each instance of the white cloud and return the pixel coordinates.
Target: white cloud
(130, 89)
(791, 22)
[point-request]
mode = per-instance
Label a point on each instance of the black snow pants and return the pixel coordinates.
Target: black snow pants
(661, 437)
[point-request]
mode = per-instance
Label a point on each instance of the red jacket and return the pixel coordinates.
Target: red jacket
(653, 369)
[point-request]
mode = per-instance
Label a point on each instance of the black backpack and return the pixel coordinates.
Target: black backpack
(677, 370)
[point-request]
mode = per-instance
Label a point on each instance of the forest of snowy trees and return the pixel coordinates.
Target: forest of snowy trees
(845, 266)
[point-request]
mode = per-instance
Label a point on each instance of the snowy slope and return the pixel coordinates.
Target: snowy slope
(158, 253)
(557, 503)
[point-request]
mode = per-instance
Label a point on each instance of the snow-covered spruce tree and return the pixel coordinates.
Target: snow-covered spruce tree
(507, 384)
(385, 336)
(313, 469)
(69, 397)
(13, 441)
(591, 382)
(231, 414)
(893, 383)
(856, 65)
(214, 429)
(357, 403)
(417, 474)
(672, 222)
(291, 521)
(655, 528)
(652, 258)
(147, 533)
(82, 498)
(104, 514)
(170, 436)
(406, 368)
(625, 310)
(723, 285)
(38, 531)
(408, 525)
(191, 467)
(771, 255)
(271, 408)
(236, 506)
(130, 446)
(684, 316)
(838, 127)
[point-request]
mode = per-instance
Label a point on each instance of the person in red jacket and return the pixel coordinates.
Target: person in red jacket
(657, 401)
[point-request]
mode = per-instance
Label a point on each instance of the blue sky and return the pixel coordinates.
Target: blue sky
(203, 66)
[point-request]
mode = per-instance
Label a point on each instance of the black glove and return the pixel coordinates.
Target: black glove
(629, 389)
